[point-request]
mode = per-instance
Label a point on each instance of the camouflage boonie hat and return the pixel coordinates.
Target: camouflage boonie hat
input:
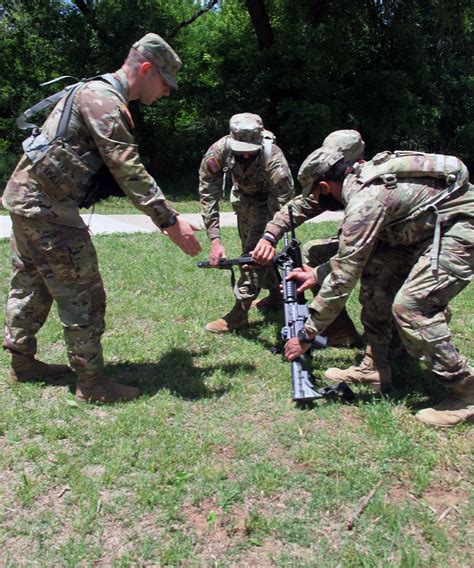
(246, 133)
(162, 55)
(344, 145)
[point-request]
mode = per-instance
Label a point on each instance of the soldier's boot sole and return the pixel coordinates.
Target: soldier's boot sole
(342, 332)
(341, 340)
(271, 302)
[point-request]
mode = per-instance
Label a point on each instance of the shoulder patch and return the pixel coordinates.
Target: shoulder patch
(213, 164)
(124, 110)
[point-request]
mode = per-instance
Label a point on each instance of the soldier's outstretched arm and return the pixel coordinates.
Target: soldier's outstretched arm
(108, 121)
(303, 209)
(182, 234)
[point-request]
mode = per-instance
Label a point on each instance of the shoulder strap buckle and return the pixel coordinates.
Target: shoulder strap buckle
(389, 180)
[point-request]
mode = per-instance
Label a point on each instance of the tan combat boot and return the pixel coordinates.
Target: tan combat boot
(25, 368)
(100, 389)
(342, 332)
(452, 410)
(374, 370)
(274, 300)
(235, 319)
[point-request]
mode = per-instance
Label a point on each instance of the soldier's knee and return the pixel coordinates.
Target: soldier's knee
(402, 313)
(318, 251)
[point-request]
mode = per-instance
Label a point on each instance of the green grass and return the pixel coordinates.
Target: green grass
(214, 465)
(122, 206)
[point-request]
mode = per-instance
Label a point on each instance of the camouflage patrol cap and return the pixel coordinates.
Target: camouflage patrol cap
(344, 145)
(162, 55)
(246, 133)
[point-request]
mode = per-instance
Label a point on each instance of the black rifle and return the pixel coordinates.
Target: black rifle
(296, 314)
(228, 264)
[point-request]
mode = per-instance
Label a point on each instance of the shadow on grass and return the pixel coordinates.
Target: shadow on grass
(176, 371)
(413, 384)
(253, 331)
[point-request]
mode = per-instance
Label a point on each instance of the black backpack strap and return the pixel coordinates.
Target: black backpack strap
(66, 114)
(22, 120)
(24, 117)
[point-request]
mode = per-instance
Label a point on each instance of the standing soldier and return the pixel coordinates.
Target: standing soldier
(341, 332)
(53, 255)
(261, 184)
(407, 234)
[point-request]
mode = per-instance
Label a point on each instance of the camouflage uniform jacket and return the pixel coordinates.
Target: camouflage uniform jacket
(303, 209)
(374, 212)
(100, 121)
(272, 184)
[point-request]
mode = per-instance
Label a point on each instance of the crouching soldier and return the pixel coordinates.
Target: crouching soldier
(407, 234)
(341, 332)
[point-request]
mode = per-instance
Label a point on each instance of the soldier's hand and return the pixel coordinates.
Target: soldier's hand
(182, 234)
(217, 252)
(293, 348)
(304, 276)
(264, 252)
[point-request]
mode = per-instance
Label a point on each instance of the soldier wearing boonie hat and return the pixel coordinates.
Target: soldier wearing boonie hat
(162, 55)
(261, 184)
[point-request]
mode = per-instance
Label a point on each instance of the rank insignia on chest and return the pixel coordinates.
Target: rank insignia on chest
(213, 165)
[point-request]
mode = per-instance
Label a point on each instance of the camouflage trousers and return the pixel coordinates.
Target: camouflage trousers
(252, 217)
(319, 251)
(55, 262)
(399, 281)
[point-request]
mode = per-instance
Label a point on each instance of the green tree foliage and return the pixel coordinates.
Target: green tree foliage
(398, 70)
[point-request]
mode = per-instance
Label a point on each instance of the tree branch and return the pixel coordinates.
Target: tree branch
(200, 12)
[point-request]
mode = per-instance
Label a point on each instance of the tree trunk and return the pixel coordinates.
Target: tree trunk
(261, 23)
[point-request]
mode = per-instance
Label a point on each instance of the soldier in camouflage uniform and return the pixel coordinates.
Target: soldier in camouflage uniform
(53, 255)
(407, 234)
(341, 332)
(261, 184)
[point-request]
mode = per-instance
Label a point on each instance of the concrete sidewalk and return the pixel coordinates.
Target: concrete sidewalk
(106, 224)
